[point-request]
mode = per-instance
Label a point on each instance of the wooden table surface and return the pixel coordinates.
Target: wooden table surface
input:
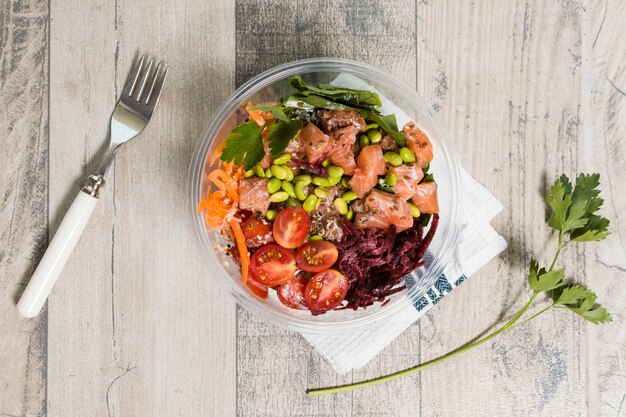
(136, 326)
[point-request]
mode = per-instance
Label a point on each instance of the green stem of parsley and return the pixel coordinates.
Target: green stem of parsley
(512, 323)
(558, 251)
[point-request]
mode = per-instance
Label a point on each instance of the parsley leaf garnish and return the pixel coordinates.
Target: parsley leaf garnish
(573, 209)
(573, 216)
(244, 145)
(581, 301)
(280, 134)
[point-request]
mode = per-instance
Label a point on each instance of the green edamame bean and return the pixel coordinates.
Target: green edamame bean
(375, 136)
(292, 202)
(315, 238)
(248, 174)
(341, 206)
(406, 155)
(350, 215)
(289, 172)
(393, 158)
(415, 212)
(279, 172)
(334, 180)
(334, 171)
(259, 171)
(390, 179)
(318, 203)
(364, 141)
(326, 163)
(268, 173)
(270, 214)
(301, 190)
(273, 185)
(371, 126)
(306, 179)
(288, 188)
(321, 192)
(349, 196)
(309, 203)
(282, 159)
(279, 197)
(321, 182)
(344, 181)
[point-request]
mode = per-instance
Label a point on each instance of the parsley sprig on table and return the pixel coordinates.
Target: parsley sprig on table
(573, 216)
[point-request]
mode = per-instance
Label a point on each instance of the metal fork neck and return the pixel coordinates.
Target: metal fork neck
(97, 180)
(107, 160)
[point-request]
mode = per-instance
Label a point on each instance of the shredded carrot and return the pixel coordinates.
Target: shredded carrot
(256, 115)
(243, 250)
(224, 182)
(221, 204)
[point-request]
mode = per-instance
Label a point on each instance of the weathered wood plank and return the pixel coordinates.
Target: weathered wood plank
(173, 322)
(138, 327)
(82, 92)
(604, 123)
(506, 82)
(275, 366)
(24, 199)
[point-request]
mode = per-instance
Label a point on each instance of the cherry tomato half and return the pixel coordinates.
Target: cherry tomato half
(272, 265)
(316, 256)
(291, 227)
(291, 293)
(257, 288)
(257, 231)
(325, 291)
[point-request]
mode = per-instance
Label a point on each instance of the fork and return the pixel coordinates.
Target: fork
(130, 116)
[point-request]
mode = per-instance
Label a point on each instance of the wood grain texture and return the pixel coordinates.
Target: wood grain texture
(82, 94)
(275, 366)
(139, 327)
(603, 70)
(23, 199)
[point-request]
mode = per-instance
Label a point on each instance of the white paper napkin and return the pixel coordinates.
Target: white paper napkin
(477, 244)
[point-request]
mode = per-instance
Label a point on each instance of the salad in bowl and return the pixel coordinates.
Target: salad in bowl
(323, 199)
(324, 195)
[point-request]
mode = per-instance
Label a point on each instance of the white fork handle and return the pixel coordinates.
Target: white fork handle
(56, 255)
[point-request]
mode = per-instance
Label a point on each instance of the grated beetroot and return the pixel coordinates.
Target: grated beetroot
(376, 260)
(313, 168)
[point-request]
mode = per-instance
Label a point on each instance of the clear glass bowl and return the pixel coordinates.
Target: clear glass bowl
(273, 84)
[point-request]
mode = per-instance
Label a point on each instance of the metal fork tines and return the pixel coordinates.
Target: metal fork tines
(135, 97)
(134, 108)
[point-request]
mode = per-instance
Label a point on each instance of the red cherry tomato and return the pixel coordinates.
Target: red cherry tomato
(291, 293)
(316, 256)
(272, 265)
(291, 227)
(325, 291)
(257, 288)
(257, 231)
